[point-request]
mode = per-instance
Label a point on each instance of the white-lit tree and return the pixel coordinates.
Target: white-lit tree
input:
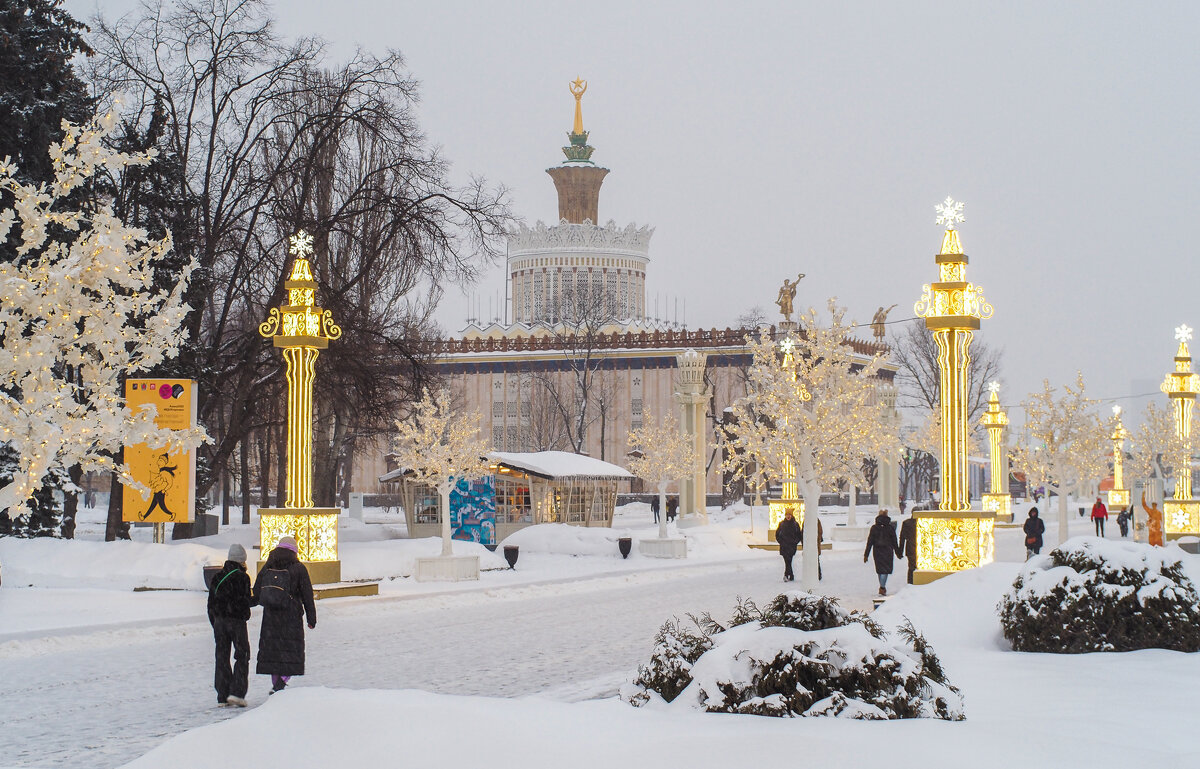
(1067, 444)
(1155, 448)
(439, 447)
(661, 454)
(78, 311)
(811, 413)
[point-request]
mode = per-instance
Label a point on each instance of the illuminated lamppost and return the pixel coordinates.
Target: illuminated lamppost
(1118, 495)
(995, 420)
(789, 493)
(301, 329)
(1181, 513)
(954, 537)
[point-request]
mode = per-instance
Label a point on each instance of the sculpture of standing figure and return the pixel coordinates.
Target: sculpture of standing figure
(877, 322)
(787, 292)
(1154, 525)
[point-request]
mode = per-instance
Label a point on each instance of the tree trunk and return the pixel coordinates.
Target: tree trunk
(662, 509)
(1062, 513)
(444, 491)
(71, 503)
(851, 518)
(224, 497)
(245, 450)
(280, 466)
(811, 577)
(264, 467)
(115, 528)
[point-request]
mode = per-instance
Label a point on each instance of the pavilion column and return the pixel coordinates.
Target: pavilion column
(692, 396)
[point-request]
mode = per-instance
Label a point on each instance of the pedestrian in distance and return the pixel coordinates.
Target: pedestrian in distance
(672, 508)
(882, 540)
(1123, 520)
(908, 544)
(1034, 528)
(284, 590)
(654, 507)
(1099, 516)
(820, 539)
(788, 537)
(229, 602)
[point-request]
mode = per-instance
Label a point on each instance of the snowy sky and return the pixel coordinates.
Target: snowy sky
(765, 139)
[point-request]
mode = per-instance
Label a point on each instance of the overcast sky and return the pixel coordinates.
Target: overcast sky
(761, 140)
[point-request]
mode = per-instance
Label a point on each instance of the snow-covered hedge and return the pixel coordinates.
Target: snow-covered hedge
(1092, 595)
(803, 655)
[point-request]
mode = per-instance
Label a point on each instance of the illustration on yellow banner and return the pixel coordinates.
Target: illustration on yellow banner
(171, 477)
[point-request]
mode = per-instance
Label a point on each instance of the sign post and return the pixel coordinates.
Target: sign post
(171, 477)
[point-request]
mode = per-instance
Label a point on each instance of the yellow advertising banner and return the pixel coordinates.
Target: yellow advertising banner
(171, 478)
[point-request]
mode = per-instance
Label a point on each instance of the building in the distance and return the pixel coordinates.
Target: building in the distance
(580, 365)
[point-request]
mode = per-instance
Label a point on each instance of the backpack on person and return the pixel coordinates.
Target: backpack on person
(275, 588)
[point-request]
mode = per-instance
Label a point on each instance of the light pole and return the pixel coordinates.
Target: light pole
(954, 537)
(1181, 513)
(995, 420)
(1118, 495)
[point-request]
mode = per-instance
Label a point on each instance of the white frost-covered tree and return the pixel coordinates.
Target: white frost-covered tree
(438, 446)
(811, 413)
(1067, 444)
(1155, 448)
(662, 454)
(78, 311)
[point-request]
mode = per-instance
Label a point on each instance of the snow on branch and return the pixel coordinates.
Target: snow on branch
(664, 452)
(438, 446)
(78, 311)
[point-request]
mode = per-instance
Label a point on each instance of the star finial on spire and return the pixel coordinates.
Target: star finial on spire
(300, 244)
(1183, 333)
(787, 345)
(1116, 410)
(949, 212)
(993, 387)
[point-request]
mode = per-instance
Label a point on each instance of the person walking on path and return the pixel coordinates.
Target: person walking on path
(1099, 516)
(1034, 528)
(788, 537)
(1123, 520)
(908, 545)
(672, 508)
(284, 590)
(654, 507)
(882, 539)
(229, 602)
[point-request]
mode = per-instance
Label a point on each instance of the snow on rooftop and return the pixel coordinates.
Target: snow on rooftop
(560, 465)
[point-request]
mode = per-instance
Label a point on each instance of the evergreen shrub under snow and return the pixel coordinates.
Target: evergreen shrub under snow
(1093, 595)
(802, 655)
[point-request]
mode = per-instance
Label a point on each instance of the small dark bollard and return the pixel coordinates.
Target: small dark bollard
(209, 573)
(625, 544)
(510, 554)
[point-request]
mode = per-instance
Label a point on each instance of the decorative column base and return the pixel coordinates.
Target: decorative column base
(316, 533)
(663, 548)
(952, 541)
(1181, 518)
(775, 512)
(447, 568)
(1001, 505)
(1118, 499)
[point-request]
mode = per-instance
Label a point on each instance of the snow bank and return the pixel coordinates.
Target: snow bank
(395, 558)
(563, 539)
(120, 565)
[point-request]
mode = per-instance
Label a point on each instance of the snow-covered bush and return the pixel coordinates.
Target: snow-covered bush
(1092, 595)
(802, 655)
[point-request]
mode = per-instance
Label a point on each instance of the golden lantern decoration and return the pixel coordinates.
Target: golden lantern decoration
(953, 537)
(301, 329)
(995, 420)
(1181, 513)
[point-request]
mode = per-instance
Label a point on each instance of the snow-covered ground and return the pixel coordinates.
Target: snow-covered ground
(519, 669)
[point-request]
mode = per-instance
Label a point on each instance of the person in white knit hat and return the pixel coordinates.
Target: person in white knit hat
(229, 603)
(284, 590)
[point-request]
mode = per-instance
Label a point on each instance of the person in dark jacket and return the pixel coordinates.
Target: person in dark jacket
(1123, 520)
(882, 539)
(281, 639)
(229, 602)
(654, 507)
(1035, 527)
(672, 508)
(788, 537)
(908, 545)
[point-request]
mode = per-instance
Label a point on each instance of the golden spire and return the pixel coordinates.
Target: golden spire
(578, 89)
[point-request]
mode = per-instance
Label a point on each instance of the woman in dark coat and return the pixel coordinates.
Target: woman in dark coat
(281, 639)
(908, 544)
(1035, 527)
(882, 539)
(788, 537)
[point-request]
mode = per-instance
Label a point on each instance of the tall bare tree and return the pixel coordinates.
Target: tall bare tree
(917, 377)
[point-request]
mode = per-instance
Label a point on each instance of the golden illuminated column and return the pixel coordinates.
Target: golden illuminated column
(954, 537)
(1118, 495)
(1181, 513)
(789, 493)
(301, 329)
(995, 420)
